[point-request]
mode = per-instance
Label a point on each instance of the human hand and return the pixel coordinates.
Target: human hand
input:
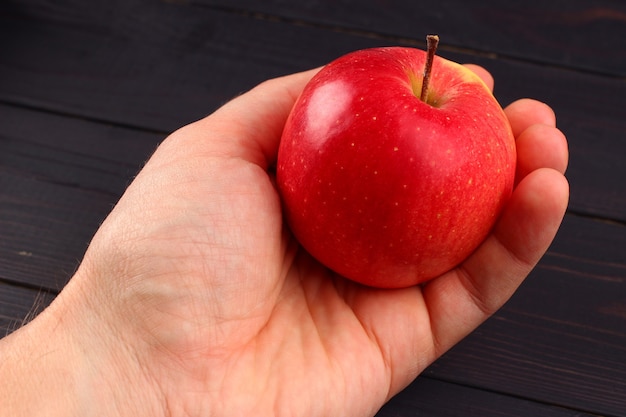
(194, 299)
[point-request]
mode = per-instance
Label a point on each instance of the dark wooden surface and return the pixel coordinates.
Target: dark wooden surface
(88, 90)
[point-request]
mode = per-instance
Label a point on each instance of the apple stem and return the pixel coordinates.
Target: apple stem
(431, 43)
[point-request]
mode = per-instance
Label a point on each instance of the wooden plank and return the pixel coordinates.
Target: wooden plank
(59, 178)
(584, 35)
(45, 229)
(147, 77)
(431, 397)
(72, 151)
(159, 73)
(562, 338)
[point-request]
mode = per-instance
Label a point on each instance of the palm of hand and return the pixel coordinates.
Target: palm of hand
(232, 319)
(233, 306)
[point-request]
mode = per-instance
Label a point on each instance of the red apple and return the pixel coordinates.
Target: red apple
(384, 188)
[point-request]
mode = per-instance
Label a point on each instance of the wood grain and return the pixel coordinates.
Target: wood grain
(117, 76)
(432, 397)
(59, 178)
(582, 35)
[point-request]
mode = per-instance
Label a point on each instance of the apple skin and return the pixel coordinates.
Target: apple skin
(383, 188)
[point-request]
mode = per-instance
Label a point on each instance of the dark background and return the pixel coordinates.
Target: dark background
(89, 88)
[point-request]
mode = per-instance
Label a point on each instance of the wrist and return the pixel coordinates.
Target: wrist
(68, 362)
(38, 370)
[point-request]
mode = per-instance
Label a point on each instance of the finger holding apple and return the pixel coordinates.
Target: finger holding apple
(386, 182)
(538, 144)
(483, 74)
